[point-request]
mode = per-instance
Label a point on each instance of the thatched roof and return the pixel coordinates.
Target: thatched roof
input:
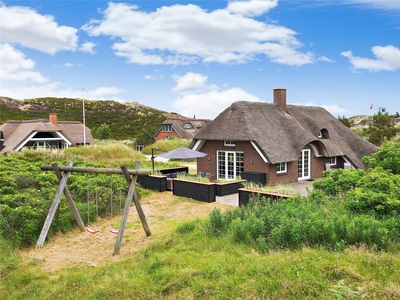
(15, 132)
(281, 135)
(182, 129)
(73, 131)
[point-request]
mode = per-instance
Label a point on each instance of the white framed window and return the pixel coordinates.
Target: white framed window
(332, 160)
(281, 167)
(229, 143)
(320, 134)
(168, 128)
(188, 126)
(230, 164)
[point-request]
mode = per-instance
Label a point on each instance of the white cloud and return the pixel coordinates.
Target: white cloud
(24, 26)
(380, 4)
(68, 65)
(388, 5)
(88, 47)
(58, 90)
(14, 66)
(189, 81)
(207, 101)
(387, 59)
(334, 109)
(187, 34)
(101, 92)
(149, 77)
(326, 59)
(251, 7)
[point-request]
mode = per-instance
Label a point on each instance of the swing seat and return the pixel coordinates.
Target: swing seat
(90, 230)
(114, 231)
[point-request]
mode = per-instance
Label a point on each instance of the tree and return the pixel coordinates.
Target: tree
(383, 127)
(103, 132)
(345, 121)
(387, 157)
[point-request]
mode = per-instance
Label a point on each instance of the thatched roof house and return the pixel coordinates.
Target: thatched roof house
(286, 143)
(42, 133)
(182, 128)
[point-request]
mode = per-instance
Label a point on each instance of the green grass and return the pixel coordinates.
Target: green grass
(187, 264)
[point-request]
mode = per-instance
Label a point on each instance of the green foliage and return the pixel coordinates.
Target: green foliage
(27, 194)
(284, 189)
(166, 145)
(126, 120)
(197, 178)
(387, 157)
(103, 131)
(383, 127)
(346, 121)
(300, 222)
(8, 260)
(372, 191)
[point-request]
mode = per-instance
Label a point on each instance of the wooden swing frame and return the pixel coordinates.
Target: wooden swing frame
(62, 188)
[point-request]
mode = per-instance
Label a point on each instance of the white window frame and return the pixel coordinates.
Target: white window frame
(281, 167)
(237, 162)
(229, 143)
(332, 161)
(320, 134)
(168, 128)
(188, 125)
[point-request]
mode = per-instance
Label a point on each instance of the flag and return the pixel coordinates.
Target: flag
(372, 106)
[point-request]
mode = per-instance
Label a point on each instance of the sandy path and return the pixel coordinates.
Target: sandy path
(78, 248)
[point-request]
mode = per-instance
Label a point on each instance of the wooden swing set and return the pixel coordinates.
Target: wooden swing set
(62, 188)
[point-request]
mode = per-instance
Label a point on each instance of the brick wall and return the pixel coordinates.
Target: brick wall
(254, 163)
(162, 135)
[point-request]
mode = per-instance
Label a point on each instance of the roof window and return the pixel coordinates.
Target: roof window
(323, 134)
(188, 126)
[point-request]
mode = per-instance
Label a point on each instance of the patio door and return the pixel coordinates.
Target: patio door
(230, 164)
(304, 164)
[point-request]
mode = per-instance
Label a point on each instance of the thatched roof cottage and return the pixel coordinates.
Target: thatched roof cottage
(284, 143)
(182, 128)
(42, 133)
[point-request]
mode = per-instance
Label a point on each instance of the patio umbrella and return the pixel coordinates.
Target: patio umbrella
(182, 153)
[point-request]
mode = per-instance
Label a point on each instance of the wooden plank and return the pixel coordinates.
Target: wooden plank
(53, 209)
(95, 170)
(68, 195)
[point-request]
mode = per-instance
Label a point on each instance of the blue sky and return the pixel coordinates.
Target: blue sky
(197, 57)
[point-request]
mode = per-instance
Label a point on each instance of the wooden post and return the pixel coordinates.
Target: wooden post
(69, 197)
(53, 208)
(131, 193)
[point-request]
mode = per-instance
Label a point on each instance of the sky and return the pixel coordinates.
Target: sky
(196, 58)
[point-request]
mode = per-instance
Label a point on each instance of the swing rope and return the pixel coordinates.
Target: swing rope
(114, 231)
(89, 229)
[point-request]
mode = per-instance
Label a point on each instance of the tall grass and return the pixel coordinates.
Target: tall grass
(186, 264)
(166, 145)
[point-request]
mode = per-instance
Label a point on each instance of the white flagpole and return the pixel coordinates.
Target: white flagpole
(83, 113)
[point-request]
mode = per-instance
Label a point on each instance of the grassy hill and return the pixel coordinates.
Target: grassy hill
(126, 120)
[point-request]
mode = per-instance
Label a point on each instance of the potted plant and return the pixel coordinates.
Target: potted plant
(195, 187)
(251, 190)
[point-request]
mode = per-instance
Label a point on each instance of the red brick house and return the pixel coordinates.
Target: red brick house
(284, 143)
(42, 133)
(182, 128)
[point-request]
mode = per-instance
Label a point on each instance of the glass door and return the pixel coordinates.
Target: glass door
(304, 164)
(230, 164)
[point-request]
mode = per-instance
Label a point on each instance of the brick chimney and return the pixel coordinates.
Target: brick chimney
(53, 119)
(280, 98)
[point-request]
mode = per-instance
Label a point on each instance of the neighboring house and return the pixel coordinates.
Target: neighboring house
(182, 128)
(285, 143)
(47, 134)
